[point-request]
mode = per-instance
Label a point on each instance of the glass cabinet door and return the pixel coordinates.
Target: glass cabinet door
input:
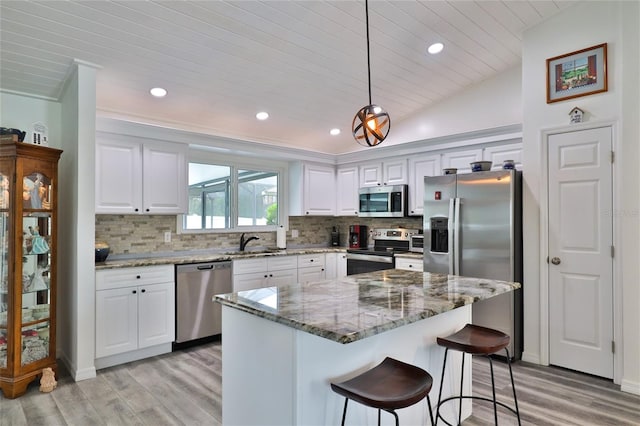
(4, 285)
(36, 264)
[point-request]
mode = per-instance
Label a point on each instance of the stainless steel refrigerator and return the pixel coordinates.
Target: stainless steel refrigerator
(473, 227)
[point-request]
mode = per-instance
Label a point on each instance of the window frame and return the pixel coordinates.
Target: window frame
(237, 162)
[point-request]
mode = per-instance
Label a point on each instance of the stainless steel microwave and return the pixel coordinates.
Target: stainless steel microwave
(383, 201)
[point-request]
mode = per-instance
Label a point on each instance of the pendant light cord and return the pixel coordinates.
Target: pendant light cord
(366, 9)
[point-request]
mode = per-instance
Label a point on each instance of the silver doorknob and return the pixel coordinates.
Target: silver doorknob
(555, 260)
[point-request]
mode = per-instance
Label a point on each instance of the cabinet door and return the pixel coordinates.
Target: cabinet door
(247, 266)
(347, 191)
(165, 178)
(461, 159)
(315, 259)
(282, 262)
(319, 190)
(156, 314)
(497, 154)
(313, 273)
(342, 265)
(331, 266)
(251, 281)
(395, 172)
(419, 167)
(371, 174)
(116, 321)
(118, 177)
(284, 277)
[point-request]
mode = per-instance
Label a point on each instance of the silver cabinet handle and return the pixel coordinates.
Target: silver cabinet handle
(556, 260)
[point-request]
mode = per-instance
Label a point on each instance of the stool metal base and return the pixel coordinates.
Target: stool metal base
(346, 401)
(460, 397)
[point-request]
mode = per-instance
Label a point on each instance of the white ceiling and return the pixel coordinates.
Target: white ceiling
(302, 61)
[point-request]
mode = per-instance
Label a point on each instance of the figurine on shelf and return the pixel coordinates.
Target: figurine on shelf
(37, 281)
(34, 192)
(38, 244)
(48, 380)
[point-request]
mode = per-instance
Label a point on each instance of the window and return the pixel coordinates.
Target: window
(232, 197)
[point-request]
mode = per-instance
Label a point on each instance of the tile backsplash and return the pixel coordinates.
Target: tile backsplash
(143, 235)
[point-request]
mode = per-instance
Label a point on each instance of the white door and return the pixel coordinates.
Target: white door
(580, 241)
(116, 321)
(419, 167)
(319, 190)
(156, 314)
(347, 191)
(165, 178)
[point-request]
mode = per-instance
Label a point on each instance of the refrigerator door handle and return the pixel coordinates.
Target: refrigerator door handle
(456, 236)
(451, 231)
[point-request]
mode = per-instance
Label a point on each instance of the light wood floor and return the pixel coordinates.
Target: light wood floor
(185, 388)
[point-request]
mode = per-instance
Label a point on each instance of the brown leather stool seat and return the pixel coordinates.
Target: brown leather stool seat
(476, 340)
(389, 386)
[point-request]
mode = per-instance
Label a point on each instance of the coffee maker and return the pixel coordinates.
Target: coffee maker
(357, 236)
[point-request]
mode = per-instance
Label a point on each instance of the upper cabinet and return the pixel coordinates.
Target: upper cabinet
(312, 190)
(391, 172)
(499, 153)
(347, 191)
(140, 178)
(419, 167)
(461, 159)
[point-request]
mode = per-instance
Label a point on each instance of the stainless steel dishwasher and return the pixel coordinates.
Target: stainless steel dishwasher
(197, 316)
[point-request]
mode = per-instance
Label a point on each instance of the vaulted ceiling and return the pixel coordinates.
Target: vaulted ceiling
(304, 62)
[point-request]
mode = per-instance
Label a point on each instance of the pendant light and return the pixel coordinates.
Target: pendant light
(371, 124)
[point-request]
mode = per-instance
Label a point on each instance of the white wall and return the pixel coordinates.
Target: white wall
(580, 26)
(495, 102)
(76, 294)
(20, 112)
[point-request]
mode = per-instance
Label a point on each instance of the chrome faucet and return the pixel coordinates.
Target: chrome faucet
(243, 242)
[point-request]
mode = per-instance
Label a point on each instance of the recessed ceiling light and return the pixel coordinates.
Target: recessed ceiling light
(435, 48)
(262, 115)
(158, 92)
(334, 132)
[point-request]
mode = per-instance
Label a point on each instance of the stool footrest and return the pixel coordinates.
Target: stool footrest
(482, 398)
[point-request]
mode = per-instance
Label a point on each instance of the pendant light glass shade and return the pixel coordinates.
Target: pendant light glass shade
(371, 125)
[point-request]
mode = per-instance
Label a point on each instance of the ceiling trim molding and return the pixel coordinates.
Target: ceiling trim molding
(211, 143)
(511, 132)
(30, 95)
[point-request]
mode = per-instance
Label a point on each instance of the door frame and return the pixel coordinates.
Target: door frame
(544, 241)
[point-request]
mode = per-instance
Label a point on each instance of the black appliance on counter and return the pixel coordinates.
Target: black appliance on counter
(358, 236)
(335, 237)
(386, 242)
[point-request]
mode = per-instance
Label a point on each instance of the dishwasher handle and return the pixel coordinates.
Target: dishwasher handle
(204, 267)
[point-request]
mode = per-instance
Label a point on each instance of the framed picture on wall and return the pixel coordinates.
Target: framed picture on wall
(579, 73)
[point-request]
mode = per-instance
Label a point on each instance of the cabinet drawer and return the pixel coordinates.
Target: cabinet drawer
(248, 266)
(126, 277)
(306, 260)
(282, 262)
(409, 264)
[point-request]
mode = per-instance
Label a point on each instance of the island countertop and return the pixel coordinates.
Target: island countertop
(352, 308)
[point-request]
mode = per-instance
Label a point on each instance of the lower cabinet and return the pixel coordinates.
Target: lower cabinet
(135, 313)
(409, 264)
(261, 272)
(311, 267)
(335, 265)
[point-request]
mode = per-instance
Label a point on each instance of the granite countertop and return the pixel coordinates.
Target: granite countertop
(178, 258)
(409, 255)
(358, 306)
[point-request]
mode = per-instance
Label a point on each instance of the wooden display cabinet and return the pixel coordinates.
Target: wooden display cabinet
(28, 223)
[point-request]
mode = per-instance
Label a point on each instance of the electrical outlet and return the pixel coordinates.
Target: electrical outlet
(294, 233)
(167, 237)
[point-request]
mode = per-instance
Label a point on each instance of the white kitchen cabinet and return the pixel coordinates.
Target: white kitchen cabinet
(497, 154)
(311, 267)
(140, 178)
(335, 265)
(461, 159)
(347, 185)
(261, 272)
(390, 172)
(135, 310)
(419, 167)
(312, 190)
(409, 264)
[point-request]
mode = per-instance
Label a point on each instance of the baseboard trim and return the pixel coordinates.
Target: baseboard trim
(110, 361)
(630, 387)
(77, 375)
(533, 358)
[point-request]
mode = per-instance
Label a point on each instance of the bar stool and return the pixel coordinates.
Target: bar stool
(476, 340)
(389, 386)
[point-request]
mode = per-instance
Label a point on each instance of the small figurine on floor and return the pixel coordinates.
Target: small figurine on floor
(48, 381)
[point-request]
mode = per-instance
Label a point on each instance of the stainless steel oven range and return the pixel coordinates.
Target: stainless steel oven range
(386, 242)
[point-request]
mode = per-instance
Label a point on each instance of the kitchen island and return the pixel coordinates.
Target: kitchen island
(283, 346)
